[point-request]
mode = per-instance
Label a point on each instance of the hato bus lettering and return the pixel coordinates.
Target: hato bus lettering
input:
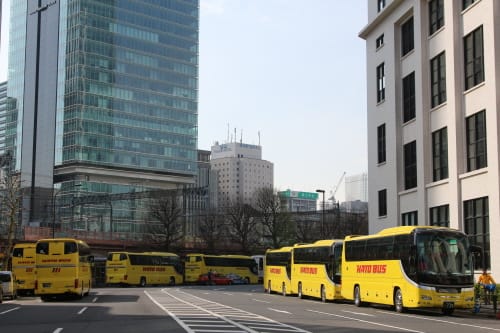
(371, 269)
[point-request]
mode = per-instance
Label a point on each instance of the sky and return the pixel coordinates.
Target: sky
(293, 71)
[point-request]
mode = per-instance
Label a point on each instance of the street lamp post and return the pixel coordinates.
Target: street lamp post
(322, 213)
(54, 200)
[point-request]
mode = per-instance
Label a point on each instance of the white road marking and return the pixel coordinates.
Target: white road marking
(281, 311)
(442, 321)
(82, 310)
(6, 311)
(94, 300)
(58, 330)
(366, 321)
(261, 301)
(359, 313)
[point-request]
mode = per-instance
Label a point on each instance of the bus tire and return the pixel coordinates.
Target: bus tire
(323, 294)
(299, 291)
(398, 301)
(142, 282)
(172, 281)
(357, 296)
(269, 291)
(283, 289)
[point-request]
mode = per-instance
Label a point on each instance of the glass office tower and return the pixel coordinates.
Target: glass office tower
(103, 101)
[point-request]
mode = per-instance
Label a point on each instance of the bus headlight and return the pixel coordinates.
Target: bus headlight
(426, 298)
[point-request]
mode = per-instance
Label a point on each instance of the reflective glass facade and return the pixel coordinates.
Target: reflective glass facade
(128, 97)
(126, 101)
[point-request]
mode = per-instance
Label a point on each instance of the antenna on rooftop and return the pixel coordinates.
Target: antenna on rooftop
(227, 132)
(241, 136)
(258, 133)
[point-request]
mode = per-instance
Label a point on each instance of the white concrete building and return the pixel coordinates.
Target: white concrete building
(433, 124)
(241, 171)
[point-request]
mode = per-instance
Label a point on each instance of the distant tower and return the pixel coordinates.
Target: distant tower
(241, 172)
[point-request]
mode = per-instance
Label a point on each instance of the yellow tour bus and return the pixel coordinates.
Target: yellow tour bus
(316, 269)
(142, 269)
(278, 270)
(23, 267)
(199, 264)
(410, 267)
(63, 267)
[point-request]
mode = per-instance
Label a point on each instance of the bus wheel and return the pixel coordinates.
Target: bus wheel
(172, 281)
(398, 301)
(269, 287)
(323, 294)
(142, 283)
(357, 296)
(299, 290)
(283, 289)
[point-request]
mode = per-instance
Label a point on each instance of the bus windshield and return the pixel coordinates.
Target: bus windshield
(443, 258)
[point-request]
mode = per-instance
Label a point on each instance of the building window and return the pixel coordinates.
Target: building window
(380, 41)
(409, 97)
(410, 164)
(440, 154)
(382, 202)
(410, 218)
(477, 226)
(476, 141)
(380, 5)
(380, 82)
(436, 15)
(381, 143)
(473, 58)
(440, 216)
(438, 80)
(467, 3)
(407, 37)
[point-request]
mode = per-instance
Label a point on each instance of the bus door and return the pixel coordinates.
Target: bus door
(336, 263)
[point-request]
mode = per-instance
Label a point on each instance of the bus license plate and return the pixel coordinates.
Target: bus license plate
(46, 285)
(448, 305)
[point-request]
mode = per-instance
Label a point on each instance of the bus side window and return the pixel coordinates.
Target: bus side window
(42, 248)
(123, 256)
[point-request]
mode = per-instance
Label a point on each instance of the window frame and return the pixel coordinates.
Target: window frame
(382, 202)
(379, 42)
(477, 225)
(409, 218)
(436, 15)
(438, 79)
(476, 137)
(381, 144)
(440, 216)
(410, 165)
(440, 154)
(381, 82)
(408, 87)
(474, 72)
(407, 37)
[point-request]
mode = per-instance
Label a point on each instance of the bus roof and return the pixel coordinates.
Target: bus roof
(24, 245)
(79, 241)
(401, 230)
(322, 242)
(282, 249)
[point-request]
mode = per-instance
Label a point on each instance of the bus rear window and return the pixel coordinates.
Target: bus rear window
(70, 247)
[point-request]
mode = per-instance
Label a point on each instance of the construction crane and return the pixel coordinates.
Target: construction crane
(335, 189)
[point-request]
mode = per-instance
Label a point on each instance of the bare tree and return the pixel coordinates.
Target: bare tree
(10, 205)
(212, 230)
(277, 225)
(242, 226)
(165, 227)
